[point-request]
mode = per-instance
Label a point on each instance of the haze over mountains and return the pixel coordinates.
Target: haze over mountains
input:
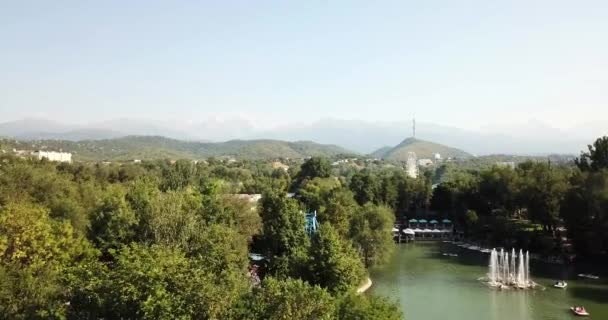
(530, 138)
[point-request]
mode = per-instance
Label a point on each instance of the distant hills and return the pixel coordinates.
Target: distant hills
(422, 148)
(154, 147)
(531, 137)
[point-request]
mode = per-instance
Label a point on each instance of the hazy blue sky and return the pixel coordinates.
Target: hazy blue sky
(461, 63)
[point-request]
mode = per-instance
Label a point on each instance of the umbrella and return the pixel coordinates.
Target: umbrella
(409, 231)
(422, 221)
(433, 221)
(446, 221)
(395, 229)
(413, 221)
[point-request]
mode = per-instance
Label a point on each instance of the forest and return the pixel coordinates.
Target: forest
(172, 239)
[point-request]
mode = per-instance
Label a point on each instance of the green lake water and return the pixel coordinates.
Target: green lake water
(429, 285)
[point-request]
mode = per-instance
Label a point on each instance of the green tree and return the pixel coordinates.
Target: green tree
(333, 262)
(35, 253)
(596, 158)
(156, 282)
(339, 209)
(287, 300)
(364, 307)
(315, 167)
(283, 236)
(370, 230)
(113, 223)
(364, 186)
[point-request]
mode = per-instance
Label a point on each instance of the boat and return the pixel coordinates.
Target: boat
(560, 284)
(588, 276)
(579, 311)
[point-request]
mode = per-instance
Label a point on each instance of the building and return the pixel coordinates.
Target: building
(53, 156)
(280, 165)
(425, 162)
(506, 164)
(437, 156)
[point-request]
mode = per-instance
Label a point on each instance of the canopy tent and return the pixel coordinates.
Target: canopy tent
(409, 231)
(422, 221)
(427, 230)
(413, 221)
(417, 230)
(395, 229)
(433, 221)
(436, 231)
(446, 221)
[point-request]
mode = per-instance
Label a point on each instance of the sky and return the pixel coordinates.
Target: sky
(468, 64)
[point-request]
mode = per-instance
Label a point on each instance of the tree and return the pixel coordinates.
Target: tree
(113, 223)
(315, 167)
(156, 282)
(363, 307)
(283, 236)
(314, 193)
(339, 209)
(585, 212)
(364, 186)
(470, 220)
(287, 300)
(597, 157)
(371, 233)
(543, 190)
(35, 254)
(333, 262)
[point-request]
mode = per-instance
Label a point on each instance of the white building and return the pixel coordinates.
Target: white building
(437, 156)
(425, 162)
(53, 156)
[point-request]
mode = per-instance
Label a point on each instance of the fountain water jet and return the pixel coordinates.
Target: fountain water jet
(513, 272)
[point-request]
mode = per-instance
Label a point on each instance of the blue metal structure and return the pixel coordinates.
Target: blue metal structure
(311, 223)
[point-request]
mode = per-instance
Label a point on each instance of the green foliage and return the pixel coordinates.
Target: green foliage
(363, 307)
(315, 167)
(151, 148)
(35, 254)
(284, 238)
(370, 231)
(597, 157)
(334, 264)
(287, 300)
(156, 282)
(171, 240)
(113, 223)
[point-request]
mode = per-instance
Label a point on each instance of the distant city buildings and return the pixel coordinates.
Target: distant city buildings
(425, 162)
(53, 156)
(280, 165)
(506, 164)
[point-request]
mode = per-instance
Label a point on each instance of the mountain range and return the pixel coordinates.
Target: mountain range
(530, 138)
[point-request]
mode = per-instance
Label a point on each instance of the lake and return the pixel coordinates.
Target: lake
(429, 285)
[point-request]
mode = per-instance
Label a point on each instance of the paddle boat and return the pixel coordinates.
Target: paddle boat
(560, 284)
(579, 311)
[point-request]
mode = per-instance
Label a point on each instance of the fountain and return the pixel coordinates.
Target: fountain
(510, 271)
